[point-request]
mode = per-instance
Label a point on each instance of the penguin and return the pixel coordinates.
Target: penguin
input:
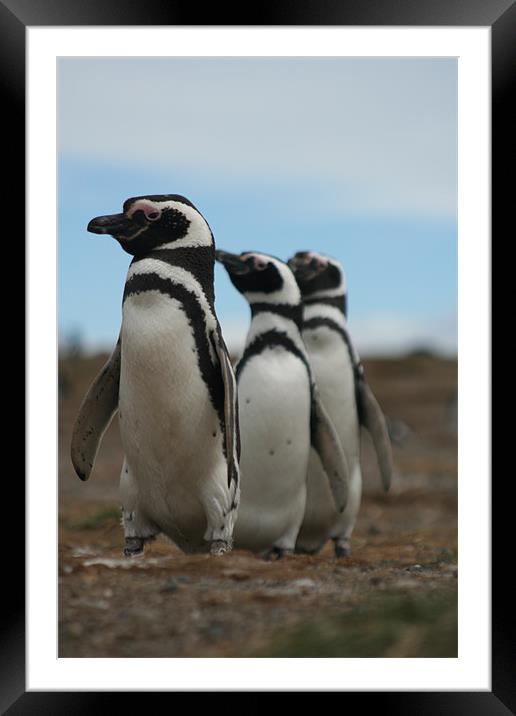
(170, 379)
(281, 413)
(346, 396)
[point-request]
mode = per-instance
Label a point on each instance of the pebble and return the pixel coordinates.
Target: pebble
(299, 585)
(406, 584)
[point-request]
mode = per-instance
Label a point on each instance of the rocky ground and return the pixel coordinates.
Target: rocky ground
(395, 596)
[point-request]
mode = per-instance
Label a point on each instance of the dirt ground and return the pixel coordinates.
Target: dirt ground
(394, 597)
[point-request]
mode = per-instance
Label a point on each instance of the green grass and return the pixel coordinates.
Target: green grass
(103, 518)
(392, 624)
(447, 555)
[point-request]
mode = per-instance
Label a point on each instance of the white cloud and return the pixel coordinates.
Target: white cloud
(378, 334)
(378, 135)
(375, 335)
(234, 332)
(387, 334)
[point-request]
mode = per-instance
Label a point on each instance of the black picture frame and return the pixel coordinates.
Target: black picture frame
(15, 17)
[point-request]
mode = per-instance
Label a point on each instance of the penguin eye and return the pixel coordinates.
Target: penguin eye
(259, 264)
(153, 215)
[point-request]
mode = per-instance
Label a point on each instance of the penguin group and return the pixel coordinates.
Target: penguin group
(263, 455)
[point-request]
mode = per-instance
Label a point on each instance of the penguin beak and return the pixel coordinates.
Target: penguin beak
(233, 263)
(114, 224)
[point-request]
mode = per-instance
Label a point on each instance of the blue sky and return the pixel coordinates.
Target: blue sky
(353, 157)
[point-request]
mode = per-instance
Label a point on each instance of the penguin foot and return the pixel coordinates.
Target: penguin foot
(219, 546)
(133, 546)
(342, 549)
(276, 553)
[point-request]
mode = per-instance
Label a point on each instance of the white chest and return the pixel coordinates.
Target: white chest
(164, 402)
(333, 373)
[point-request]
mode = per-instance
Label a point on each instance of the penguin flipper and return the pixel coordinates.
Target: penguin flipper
(97, 409)
(326, 443)
(373, 419)
(232, 429)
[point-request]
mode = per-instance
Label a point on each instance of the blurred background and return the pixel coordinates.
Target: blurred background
(356, 158)
(353, 157)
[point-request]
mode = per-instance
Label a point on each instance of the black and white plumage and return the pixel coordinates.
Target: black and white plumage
(171, 379)
(345, 394)
(281, 414)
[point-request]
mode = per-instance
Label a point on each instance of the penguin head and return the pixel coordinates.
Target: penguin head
(149, 222)
(260, 277)
(317, 275)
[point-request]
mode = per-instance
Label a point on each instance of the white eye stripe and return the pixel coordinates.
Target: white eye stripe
(151, 211)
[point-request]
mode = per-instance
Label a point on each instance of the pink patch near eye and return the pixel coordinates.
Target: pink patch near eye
(259, 264)
(148, 208)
